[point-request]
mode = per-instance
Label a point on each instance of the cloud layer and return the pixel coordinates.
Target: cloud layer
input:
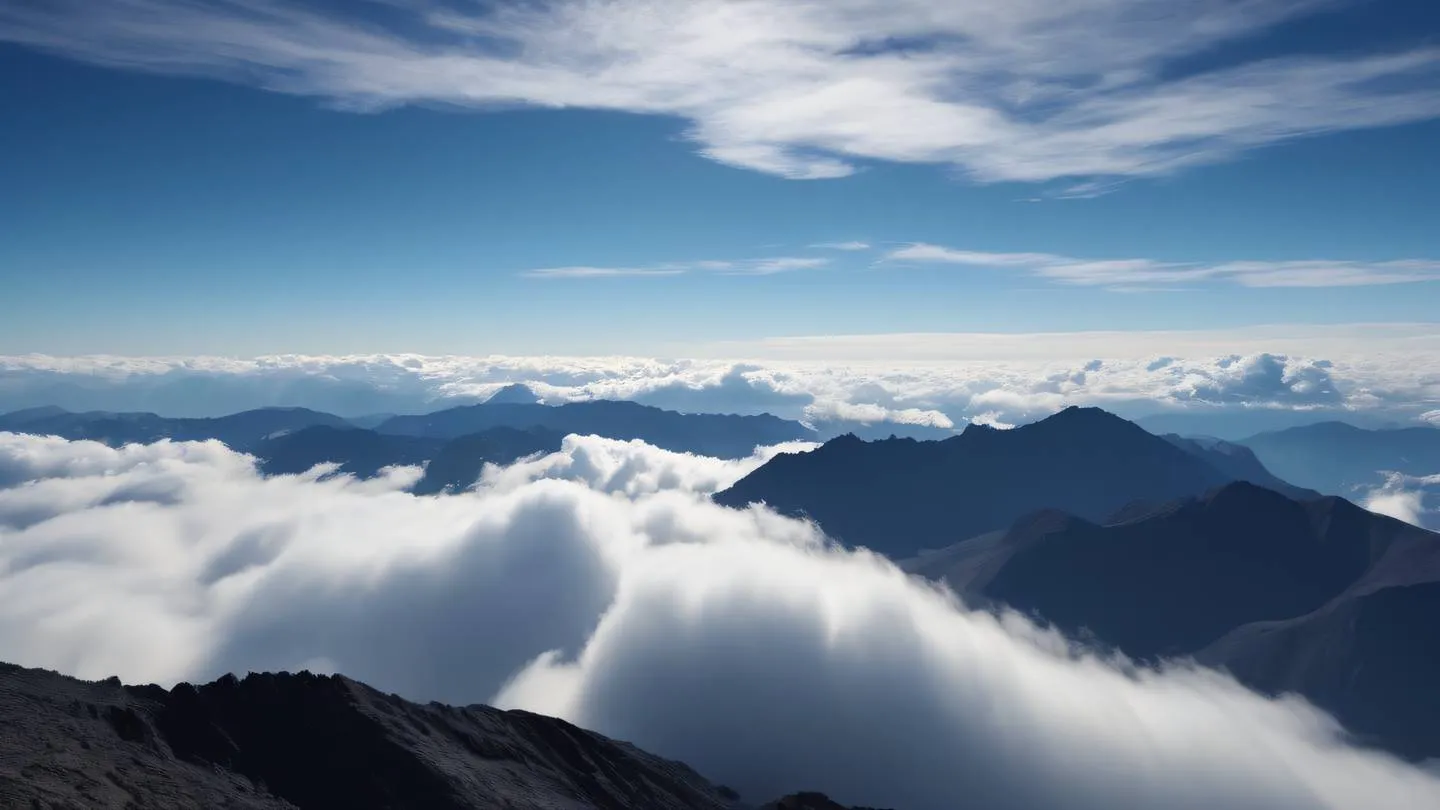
(1414, 499)
(920, 383)
(1140, 274)
(739, 641)
(1027, 91)
(746, 267)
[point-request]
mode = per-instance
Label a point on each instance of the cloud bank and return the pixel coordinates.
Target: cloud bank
(739, 641)
(923, 384)
(1012, 91)
(1411, 498)
(1141, 274)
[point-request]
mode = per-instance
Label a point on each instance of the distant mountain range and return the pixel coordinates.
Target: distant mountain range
(720, 435)
(312, 742)
(239, 430)
(899, 496)
(1339, 459)
(454, 443)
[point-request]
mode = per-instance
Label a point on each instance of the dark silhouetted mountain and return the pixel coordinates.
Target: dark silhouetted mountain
(724, 436)
(1371, 655)
(1339, 459)
(1237, 423)
(1178, 577)
(362, 453)
(450, 465)
(459, 462)
(808, 801)
(1319, 597)
(514, 394)
(314, 743)
(900, 496)
(239, 430)
(1237, 462)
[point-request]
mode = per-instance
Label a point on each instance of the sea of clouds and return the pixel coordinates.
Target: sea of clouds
(922, 385)
(600, 584)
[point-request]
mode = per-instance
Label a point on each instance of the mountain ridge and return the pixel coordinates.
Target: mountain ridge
(898, 496)
(282, 741)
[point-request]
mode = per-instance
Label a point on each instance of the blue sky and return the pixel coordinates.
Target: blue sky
(255, 177)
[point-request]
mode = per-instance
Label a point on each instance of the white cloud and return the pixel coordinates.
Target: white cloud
(1026, 91)
(601, 272)
(738, 641)
(1407, 498)
(901, 379)
(850, 246)
(745, 267)
(870, 413)
(631, 468)
(1139, 274)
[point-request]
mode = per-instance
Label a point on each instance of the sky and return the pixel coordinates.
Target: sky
(579, 178)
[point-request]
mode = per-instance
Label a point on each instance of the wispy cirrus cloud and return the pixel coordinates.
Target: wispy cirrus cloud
(581, 271)
(1141, 274)
(744, 267)
(850, 246)
(1012, 91)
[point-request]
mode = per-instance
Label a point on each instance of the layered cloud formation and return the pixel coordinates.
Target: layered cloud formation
(741, 642)
(1027, 91)
(1411, 498)
(922, 383)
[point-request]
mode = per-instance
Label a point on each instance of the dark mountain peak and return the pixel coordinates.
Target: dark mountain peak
(279, 740)
(808, 801)
(896, 497)
(1046, 521)
(515, 394)
(25, 415)
(1244, 498)
(1078, 418)
(1333, 427)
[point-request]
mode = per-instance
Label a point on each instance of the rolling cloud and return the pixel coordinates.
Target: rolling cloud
(740, 641)
(1014, 91)
(921, 382)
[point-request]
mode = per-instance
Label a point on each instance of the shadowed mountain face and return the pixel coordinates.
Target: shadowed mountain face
(459, 461)
(362, 453)
(314, 743)
(1370, 657)
(1239, 463)
(899, 496)
(516, 394)
(1318, 597)
(723, 436)
(1176, 578)
(1339, 459)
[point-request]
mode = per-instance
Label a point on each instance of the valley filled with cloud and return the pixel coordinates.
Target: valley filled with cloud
(601, 585)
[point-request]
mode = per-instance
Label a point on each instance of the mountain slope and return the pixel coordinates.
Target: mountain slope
(1239, 463)
(304, 741)
(458, 463)
(362, 453)
(1338, 459)
(1372, 659)
(899, 496)
(722, 435)
(1371, 655)
(1173, 579)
